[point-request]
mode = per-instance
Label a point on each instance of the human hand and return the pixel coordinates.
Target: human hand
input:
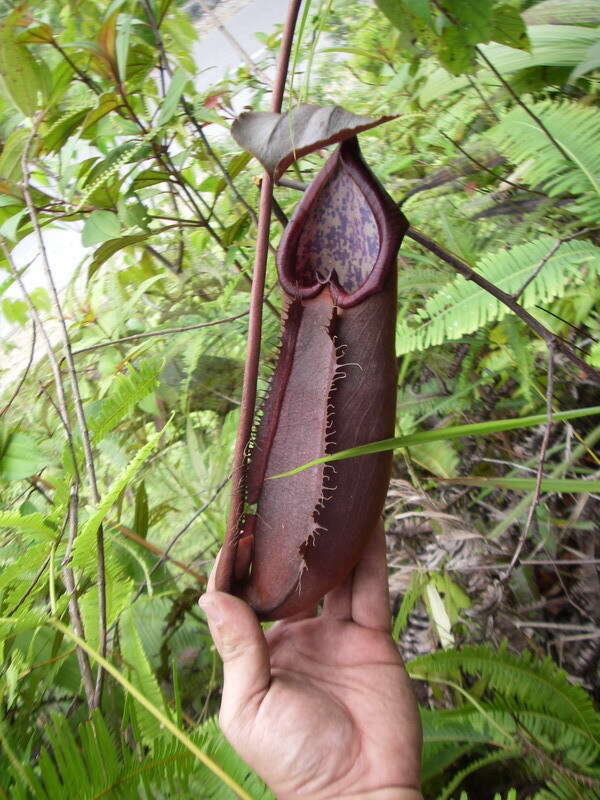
(321, 706)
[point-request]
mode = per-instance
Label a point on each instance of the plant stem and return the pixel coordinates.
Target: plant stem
(248, 402)
(63, 413)
(77, 402)
(523, 105)
(136, 337)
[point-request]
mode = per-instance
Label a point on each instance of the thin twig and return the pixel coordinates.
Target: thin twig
(77, 402)
(135, 337)
(83, 77)
(166, 552)
(484, 167)
(471, 275)
(248, 401)
(155, 550)
(482, 97)
(190, 522)
(559, 626)
(523, 105)
(19, 386)
(540, 470)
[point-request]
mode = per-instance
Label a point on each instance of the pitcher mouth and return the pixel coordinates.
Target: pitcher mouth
(345, 234)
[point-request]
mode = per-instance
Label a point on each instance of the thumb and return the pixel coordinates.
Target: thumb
(243, 648)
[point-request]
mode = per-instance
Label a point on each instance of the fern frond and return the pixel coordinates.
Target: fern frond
(126, 391)
(566, 789)
(463, 307)
(95, 763)
(575, 127)
(142, 676)
(475, 766)
(538, 686)
(84, 554)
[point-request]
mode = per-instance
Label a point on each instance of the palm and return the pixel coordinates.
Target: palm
(338, 711)
(321, 707)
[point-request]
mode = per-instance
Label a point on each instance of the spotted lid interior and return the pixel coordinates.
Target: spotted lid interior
(340, 238)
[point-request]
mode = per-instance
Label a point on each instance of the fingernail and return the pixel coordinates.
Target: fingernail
(211, 609)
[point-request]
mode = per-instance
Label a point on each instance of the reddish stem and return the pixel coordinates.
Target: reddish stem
(248, 402)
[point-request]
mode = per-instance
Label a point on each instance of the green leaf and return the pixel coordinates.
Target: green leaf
(473, 20)
(169, 105)
(18, 68)
(20, 457)
(508, 27)
(28, 523)
(558, 485)
(454, 432)
(140, 520)
(57, 134)
(396, 10)
(108, 249)
(122, 44)
(141, 676)
(106, 103)
(12, 152)
(99, 227)
(40, 299)
(10, 226)
(132, 212)
(40, 33)
(591, 62)
(15, 311)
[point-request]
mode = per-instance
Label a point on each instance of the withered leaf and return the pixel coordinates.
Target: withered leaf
(277, 140)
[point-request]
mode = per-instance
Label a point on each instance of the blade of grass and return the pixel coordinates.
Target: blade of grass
(151, 708)
(440, 434)
(559, 485)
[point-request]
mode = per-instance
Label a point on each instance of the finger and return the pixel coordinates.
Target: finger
(210, 586)
(242, 646)
(338, 602)
(370, 594)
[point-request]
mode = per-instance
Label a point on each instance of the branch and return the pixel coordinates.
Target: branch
(85, 78)
(77, 402)
(507, 299)
(248, 402)
(62, 410)
(523, 105)
(135, 337)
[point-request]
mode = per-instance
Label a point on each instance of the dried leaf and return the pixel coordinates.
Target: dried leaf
(277, 140)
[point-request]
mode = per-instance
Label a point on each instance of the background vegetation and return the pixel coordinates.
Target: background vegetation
(116, 438)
